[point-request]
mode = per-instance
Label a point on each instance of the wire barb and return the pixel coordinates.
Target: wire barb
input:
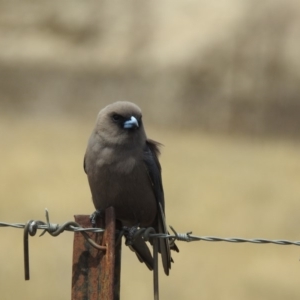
(181, 236)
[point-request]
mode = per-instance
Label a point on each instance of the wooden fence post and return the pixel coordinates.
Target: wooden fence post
(96, 273)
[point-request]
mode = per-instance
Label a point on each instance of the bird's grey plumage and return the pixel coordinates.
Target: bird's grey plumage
(124, 172)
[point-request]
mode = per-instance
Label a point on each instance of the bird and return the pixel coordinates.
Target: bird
(124, 172)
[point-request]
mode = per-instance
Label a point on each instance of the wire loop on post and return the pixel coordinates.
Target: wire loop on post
(31, 227)
(27, 230)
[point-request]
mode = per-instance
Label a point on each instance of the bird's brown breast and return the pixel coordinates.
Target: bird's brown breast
(125, 185)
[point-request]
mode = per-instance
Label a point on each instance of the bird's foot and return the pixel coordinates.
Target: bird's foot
(93, 217)
(129, 233)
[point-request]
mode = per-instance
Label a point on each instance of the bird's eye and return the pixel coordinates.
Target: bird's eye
(116, 117)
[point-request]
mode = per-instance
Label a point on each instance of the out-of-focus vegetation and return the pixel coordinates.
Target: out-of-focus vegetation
(201, 72)
(224, 66)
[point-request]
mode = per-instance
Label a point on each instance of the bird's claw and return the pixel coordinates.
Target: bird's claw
(93, 217)
(129, 233)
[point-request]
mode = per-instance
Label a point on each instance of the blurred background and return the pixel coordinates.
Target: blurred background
(219, 86)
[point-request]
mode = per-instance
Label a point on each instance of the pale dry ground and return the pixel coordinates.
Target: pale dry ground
(214, 185)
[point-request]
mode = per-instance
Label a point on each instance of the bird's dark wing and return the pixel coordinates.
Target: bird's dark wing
(151, 152)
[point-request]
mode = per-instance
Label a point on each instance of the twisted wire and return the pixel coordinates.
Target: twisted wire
(56, 229)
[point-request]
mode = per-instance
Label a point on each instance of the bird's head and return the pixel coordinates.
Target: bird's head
(121, 123)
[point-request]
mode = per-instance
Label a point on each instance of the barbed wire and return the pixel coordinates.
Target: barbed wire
(52, 227)
(32, 226)
(56, 229)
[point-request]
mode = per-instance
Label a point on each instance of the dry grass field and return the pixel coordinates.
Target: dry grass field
(214, 185)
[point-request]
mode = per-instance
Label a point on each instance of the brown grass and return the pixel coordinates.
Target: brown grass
(214, 185)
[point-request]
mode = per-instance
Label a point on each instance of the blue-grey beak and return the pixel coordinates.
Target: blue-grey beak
(132, 123)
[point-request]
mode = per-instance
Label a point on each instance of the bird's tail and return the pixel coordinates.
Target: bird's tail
(142, 252)
(164, 245)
